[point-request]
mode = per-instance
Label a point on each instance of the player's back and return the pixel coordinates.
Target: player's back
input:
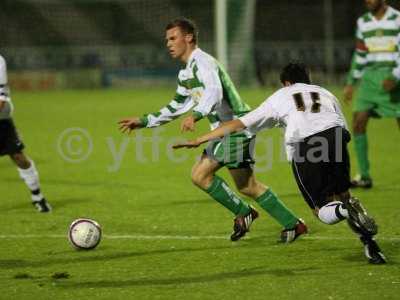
(306, 109)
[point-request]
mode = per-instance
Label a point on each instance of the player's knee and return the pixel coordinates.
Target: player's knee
(360, 124)
(343, 197)
(21, 160)
(359, 128)
(327, 216)
(195, 175)
(251, 189)
(323, 218)
(196, 181)
(195, 178)
(200, 179)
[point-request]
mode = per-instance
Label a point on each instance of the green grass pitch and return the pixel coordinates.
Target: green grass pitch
(163, 238)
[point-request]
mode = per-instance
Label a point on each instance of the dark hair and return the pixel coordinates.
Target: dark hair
(186, 25)
(295, 72)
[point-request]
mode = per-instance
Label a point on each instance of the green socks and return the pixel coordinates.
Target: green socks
(220, 191)
(361, 147)
(275, 207)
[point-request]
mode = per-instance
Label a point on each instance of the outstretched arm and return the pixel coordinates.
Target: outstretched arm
(264, 116)
(129, 124)
(223, 130)
(178, 106)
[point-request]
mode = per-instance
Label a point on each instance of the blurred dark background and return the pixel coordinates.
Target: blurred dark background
(124, 39)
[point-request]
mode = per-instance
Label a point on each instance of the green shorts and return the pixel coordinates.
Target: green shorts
(234, 151)
(373, 98)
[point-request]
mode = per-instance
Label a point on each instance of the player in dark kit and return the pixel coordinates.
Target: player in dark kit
(316, 138)
(11, 145)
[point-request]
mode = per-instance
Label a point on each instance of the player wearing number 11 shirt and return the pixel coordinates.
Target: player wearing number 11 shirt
(316, 138)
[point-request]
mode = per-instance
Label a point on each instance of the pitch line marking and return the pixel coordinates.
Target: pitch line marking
(175, 237)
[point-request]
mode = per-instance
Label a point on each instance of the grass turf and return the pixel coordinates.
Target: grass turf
(165, 239)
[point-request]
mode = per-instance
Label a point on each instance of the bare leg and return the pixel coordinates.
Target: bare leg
(247, 183)
(360, 122)
(30, 176)
(21, 160)
(203, 172)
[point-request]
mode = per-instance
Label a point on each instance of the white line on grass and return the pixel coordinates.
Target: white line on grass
(174, 237)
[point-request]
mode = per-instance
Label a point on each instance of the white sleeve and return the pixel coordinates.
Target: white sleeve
(167, 113)
(264, 116)
(336, 106)
(212, 88)
(340, 112)
(4, 92)
(181, 104)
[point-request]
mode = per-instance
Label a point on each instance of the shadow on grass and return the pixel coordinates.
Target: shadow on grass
(79, 183)
(208, 200)
(389, 248)
(79, 257)
(57, 203)
(54, 202)
(243, 273)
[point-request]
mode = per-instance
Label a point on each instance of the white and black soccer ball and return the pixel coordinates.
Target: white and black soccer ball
(84, 234)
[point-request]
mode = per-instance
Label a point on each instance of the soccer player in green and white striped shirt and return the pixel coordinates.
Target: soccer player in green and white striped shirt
(206, 89)
(376, 64)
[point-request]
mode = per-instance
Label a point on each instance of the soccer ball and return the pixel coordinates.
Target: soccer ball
(84, 234)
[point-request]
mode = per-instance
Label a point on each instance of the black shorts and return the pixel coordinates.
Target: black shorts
(10, 142)
(321, 165)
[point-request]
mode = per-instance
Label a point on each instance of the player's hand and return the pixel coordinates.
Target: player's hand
(129, 124)
(348, 93)
(187, 144)
(2, 104)
(188, 124)
(389, 85)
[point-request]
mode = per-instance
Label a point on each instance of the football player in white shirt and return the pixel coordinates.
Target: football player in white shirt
(11, 145)
(316, 138)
